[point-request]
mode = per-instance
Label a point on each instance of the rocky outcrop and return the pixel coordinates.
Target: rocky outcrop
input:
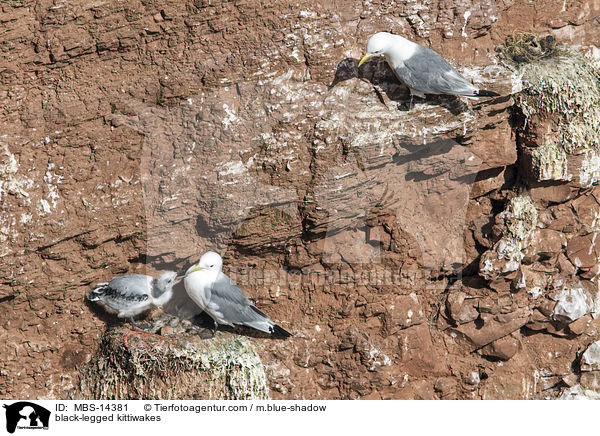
(131, 365)
(542, 263)
(560, 119)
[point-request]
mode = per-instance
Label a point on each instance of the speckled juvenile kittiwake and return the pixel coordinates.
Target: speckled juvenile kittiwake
(130, 295)
(222, 299)
(420, 68)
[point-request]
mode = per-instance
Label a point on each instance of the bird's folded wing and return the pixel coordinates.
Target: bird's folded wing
(132, 284)
(430, 73)
(231, 302)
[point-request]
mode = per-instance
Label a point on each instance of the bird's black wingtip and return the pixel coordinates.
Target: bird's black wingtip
(93, 295)
(97, 292)
(486, 93)
(279, 332)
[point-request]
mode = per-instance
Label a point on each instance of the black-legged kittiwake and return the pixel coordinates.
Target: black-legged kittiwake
(222, 299)
(420, 68)
(130, 295)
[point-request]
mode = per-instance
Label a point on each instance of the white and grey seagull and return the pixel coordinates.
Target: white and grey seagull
(132, 294)
(222, 299)
(420, 68)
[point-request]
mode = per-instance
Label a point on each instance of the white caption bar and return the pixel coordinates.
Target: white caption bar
(150, 417)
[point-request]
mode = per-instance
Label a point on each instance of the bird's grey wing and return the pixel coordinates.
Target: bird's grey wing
(125, 295)
(132, 284)
(131, 291)
(229, 303)
(430, 73)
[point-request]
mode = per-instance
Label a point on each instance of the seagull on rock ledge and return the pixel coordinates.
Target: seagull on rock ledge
(222, 299)
(420, 68)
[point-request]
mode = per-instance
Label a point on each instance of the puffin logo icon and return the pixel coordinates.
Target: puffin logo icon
(26, 415)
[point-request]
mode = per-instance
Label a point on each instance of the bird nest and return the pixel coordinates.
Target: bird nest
(130, 366)
(568, 86)
(525, 47)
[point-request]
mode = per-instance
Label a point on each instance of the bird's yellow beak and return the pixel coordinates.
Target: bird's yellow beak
(194, 268)
(364, 59)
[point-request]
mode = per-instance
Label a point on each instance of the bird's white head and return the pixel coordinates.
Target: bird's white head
(387, 44)
(210, 261)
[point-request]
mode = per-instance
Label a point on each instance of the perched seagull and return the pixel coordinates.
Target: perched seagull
(222, 299)
(421, 69)
(130, 295)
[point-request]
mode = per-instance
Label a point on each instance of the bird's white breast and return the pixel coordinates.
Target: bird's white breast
(197, 285)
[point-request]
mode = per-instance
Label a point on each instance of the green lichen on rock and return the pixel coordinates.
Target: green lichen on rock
(520, 220)
(549, 161)
(589, 172)
(560, 101)
(581, 132)
(520, 217)
(566, 84)
(219, 368)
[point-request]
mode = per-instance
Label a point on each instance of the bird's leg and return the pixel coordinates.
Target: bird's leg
(138, 330)
(160, 322)
(214, 332)
(135, 327)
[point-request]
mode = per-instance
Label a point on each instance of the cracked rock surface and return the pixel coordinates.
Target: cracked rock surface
(433, 249)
